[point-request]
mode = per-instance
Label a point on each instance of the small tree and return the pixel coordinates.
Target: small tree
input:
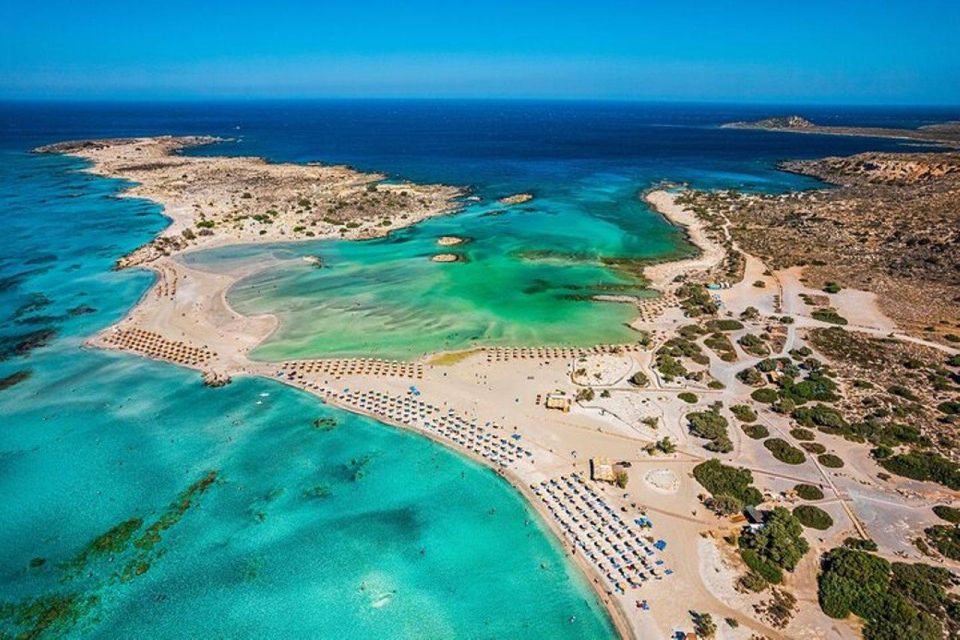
(704, 625)
(666, 445)
(621, 478)
(724, 505)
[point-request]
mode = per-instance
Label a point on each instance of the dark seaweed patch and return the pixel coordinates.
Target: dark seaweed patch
(80, 310)
(24, 343)
(43, 258)
(36, 302)
(55, 614)
(14, 379)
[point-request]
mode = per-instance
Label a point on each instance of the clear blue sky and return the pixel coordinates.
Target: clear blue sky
(841, 51)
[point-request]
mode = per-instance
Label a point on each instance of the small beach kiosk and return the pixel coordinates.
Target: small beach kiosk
(558, 400)
(602, 469)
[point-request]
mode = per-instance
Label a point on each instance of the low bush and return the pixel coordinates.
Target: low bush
(689, 398)
(896, 601)
(711, 426)
(926, 466)
(950, 514)
(754, 345)
(720, 344)
(800, 433)
(721, 480)
(750, 376)
(813, 517)
(756, 431)
(828, 315)
(744, 413)
(830, 461)
(860, 543)
(946, 540)
(753, 582)
(808, 492)
(724, 324)
(779, 543)
(784, 452)
(902, 391)
(767, 571)
(765, 395)
(951, 408)
(813, 447)
(820, 415)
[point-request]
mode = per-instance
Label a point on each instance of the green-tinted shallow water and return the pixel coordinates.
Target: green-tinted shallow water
(526, 277)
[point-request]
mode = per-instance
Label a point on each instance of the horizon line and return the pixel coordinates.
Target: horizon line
(452, 99)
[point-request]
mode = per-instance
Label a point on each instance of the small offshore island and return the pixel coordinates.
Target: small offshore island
(773, 453)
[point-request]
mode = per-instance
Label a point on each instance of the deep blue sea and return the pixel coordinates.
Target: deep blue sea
(362, 531)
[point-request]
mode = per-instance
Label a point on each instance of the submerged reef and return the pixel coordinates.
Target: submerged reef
(94, 568)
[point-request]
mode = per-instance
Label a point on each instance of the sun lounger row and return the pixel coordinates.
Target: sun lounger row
(502, 354)
(466, 434)
(355, 366)
(619, 550)
(156, 346)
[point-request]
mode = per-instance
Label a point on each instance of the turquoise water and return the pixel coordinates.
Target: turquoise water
(358, 532)
(291, 541)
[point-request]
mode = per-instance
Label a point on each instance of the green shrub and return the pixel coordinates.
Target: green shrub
(860, 544)
(800, 433)
(820, 415)
(852, 581)
(724, 324)
(722, 346)
(926, 466)
(779, 542)
(813, 517)
(696, 300)
(765, 395)
(830, 461)
(724, 505)
(951, 408)
(897, 601)
(750, 376)
(950, 514)
(767, 571)
(828, 315)
(813, 447)
(784, 452)
(689, 398)
(816, 386)
(946, 539)
(756, 431)
(902, 391)
(808, 492)
(754, 582)
(721, 480)
(754, 345)
(831, 287)
(744, 413)
(711, 426)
